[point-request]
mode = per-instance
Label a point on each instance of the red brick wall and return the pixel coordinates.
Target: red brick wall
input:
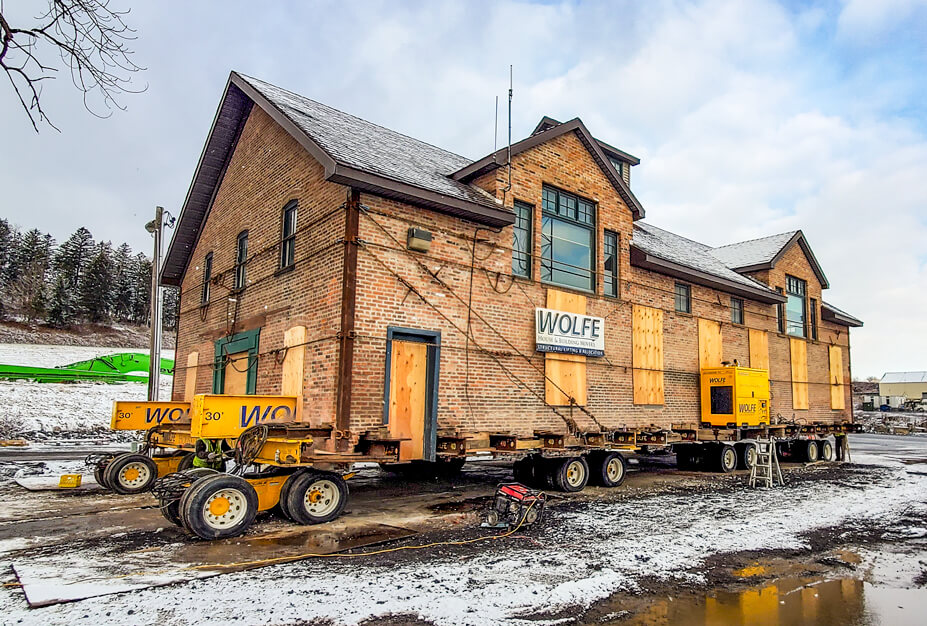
(506, 390)
(268, 169)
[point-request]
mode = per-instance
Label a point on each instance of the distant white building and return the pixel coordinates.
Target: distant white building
(906, 385)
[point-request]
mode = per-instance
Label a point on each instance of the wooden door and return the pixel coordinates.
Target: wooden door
(408, 394)
(236, 374)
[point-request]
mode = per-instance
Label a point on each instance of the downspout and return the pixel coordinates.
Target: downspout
(348, 306)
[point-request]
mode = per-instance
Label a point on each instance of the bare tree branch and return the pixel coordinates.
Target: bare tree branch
(92, 40)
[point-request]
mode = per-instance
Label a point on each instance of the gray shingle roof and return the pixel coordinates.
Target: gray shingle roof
(825, 307)
(904, 377)
(372, 148)
(692, 254)
(754, 251)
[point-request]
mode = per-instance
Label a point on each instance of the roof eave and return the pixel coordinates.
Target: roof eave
(830, 315)
(500, 157)
(645, 260)
(379, 185)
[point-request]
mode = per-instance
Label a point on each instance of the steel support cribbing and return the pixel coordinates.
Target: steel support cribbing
(348, 306)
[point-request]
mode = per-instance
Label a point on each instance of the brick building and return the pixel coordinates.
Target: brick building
(396, 286)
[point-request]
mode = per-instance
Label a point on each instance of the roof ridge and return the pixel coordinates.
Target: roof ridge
(356, 117)
(790, 233)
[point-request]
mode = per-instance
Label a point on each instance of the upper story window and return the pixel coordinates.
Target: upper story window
(683, 298)
(610, 252)
(619, 165)
(567, 240)
(813, 317)
(795, 307)
(521, 240)
(288, 238)
(241, 259)
(207, 278)
(737, 311)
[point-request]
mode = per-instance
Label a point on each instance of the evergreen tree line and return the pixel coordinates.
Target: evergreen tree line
(79, 281)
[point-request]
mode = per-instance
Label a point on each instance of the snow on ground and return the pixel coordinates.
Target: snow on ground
(580, 555)
(30, 408)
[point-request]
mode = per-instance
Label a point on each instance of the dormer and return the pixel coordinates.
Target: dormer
(621, 160)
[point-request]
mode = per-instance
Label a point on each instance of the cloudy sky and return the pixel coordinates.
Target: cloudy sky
(750, 118)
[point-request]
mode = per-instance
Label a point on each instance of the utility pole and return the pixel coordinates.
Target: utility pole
(154, 368)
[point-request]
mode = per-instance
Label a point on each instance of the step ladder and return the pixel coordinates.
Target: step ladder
(766, 470)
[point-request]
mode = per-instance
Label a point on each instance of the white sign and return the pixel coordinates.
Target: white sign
(569, 333)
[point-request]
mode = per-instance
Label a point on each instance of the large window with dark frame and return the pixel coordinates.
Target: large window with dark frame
(737, 311)
(207, 278)
(288, 238)
(241, 259)
(683, 298)
(610, 252)
(521, 239)
(795, 307)
(567, 240)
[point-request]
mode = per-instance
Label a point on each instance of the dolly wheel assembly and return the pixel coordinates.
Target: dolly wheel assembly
(218, 506)
(826, 449)
(607, 469)
(727, 459)
(570, 474)
(170, 489)
(130, 473)
(315, 497)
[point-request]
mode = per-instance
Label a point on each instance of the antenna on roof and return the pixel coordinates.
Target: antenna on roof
(509, 149)
(495, 129)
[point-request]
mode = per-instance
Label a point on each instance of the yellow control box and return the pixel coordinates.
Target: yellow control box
(70, 481)
(226, 417)
(735, 396)
(145, 415)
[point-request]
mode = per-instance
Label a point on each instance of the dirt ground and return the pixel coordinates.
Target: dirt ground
(838, 544)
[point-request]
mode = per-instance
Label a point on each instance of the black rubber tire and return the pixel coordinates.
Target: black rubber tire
(336, 492)
(171, 510)
(235, 521)
(284, 493)
(186, 463)
(525, 471)
(726, 459)
(809, 451)
(685, 458)
(570, 474)
(98, 476)
(607, 469)
(450, 466)
(826, 450)
(746, 456)
(116, 479)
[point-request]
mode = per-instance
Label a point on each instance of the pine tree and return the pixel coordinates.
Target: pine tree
(141, 279)
(8, 250)
(62, 309)
(124, 286)
(170, 307)
(74, 255)
(30, 289)
(96, 286)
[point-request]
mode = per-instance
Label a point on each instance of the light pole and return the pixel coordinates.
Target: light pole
(154, 366)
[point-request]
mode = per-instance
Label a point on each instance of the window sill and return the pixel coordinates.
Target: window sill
(683, 313)
(285, 270)
(586, 292)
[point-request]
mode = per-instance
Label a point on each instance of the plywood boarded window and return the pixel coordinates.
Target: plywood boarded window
(799, 357)
(294, 339)
(647, 355)
(565, 374)
(189, 387)
(709, 344)
(759, 349)
(837, 391)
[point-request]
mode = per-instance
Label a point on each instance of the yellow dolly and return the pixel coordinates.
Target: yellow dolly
(168, 446)
(275, 465)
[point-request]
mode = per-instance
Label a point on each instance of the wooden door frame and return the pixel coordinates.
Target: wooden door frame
(239, 342)
(433, 356)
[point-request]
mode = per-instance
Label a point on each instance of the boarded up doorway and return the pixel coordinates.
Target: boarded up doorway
(411, 391)
(236, 364)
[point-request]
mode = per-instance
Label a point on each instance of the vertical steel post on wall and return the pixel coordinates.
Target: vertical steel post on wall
(154, 367)
(348, 304)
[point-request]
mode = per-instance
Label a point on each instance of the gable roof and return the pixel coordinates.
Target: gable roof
(765, 252)
(547, 123)
(667, 253)
(499, 158)
(904, 377)
(353, 151)
(832, 314)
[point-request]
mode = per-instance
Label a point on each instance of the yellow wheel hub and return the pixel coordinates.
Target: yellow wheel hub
(314, 496)
(131, 474)
(219, 507)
